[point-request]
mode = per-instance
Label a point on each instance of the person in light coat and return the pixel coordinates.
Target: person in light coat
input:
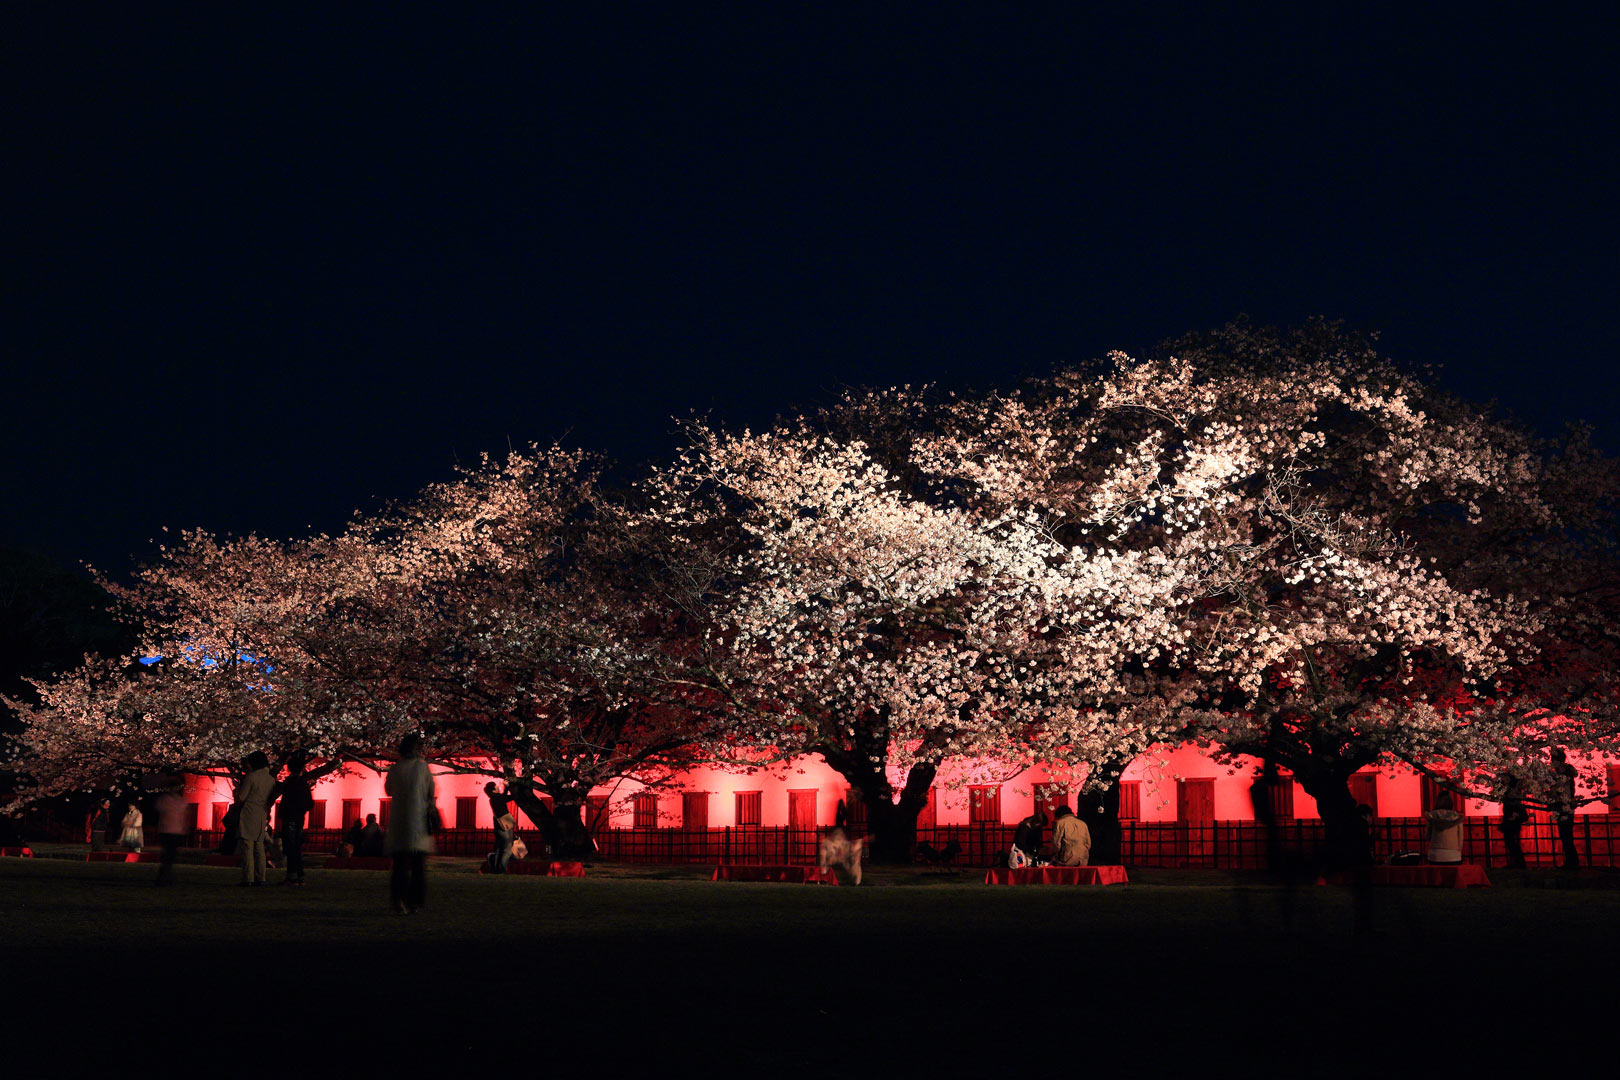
(1071, 839)
(131, 834)
(253, 798)
(409, 839)
(1445, 831)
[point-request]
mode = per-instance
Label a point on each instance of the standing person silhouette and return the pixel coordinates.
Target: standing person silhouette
(97, 825)
(410, 830)
(1514, 815)
(253, 798)
(1563, 808)
(296, 802)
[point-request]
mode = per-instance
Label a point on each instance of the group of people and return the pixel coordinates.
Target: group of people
(131, 831)
(364, 837)
(1071, 841)
(408, 837)
(1445, 823)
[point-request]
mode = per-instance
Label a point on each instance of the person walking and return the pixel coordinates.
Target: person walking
(253, 798)
(412, 819)
(171, 823)
(296, 802)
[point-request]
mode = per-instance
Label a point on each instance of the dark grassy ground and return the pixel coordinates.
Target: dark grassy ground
(634, 969)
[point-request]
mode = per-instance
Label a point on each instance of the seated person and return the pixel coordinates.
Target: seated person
(1071, 839)
(1026, 843)
(1445, 831)
(371, 839)
(351, 836)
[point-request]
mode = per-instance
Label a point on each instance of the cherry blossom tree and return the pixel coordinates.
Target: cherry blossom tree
(539, 640)
(1333, 505)
(246, 644)
(898, 618)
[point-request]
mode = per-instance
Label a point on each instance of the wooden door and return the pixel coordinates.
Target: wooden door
(802, 823)
(1195, 811)
(695, 811)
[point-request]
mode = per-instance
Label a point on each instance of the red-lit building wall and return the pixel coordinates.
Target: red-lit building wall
(1397, 793)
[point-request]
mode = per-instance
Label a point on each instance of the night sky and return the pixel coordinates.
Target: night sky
(261, 270)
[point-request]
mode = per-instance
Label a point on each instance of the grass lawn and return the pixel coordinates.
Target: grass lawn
(634, 968)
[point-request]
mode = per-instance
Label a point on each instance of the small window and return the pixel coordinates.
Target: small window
(317, 814)
(351, 812)
(383, 808)
(220, 810)
(645, 805)
(467, 812)
(748, 807)
(984, 804)
(1614, 789)
(1282, 799)
(1130, 800)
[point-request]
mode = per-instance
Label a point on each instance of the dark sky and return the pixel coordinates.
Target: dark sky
(262, 270)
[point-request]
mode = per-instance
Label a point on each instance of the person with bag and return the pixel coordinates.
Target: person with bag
(132, 835)
(412, 821)
(500, 807)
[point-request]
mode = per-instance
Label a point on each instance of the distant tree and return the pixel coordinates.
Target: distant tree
(243, 645)
(500, 614)
(540, 636)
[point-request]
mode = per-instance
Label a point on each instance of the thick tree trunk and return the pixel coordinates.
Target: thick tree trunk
(1347, 842)
(894, 825)
(1099, 809)
(573, 838)
(891, 825)
(563, 825)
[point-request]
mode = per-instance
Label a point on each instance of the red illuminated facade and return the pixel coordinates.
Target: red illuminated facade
(1183, 785)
